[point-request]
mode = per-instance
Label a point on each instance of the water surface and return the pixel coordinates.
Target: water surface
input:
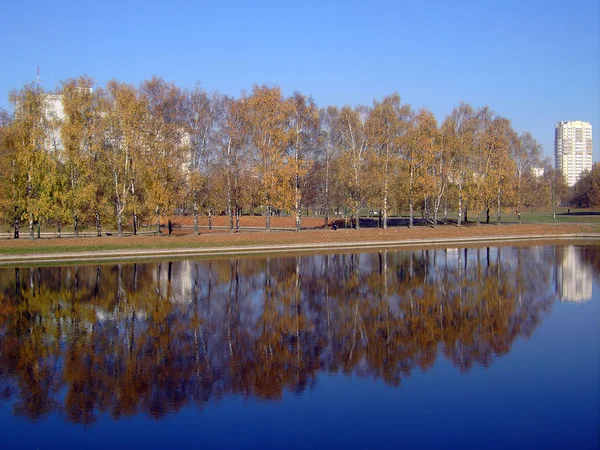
(478, 348)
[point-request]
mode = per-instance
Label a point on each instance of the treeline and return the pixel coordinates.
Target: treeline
(125, 155)
(154, 338)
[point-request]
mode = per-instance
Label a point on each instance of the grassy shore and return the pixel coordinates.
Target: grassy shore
(180, 240)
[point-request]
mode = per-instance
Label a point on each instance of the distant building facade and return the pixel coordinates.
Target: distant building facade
(573, 149)
(537, 172)
(55, 115)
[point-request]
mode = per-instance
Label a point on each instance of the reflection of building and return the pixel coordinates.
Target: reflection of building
(573, 149)
(175, 281)
(573, 278)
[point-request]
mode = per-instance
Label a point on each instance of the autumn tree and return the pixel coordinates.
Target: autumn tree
(386, 128)
(7, 169)
(460, 128)
(526, 154)
(232, 145)
(77, 133)
(120, 145)
(29, 137)
(586, 192)
(164, 147)
(493, 166)
(200, 115)
(352, 162)
(329, 141)
(418, 151)
(266, 116)
(442, 169)
(303, 126)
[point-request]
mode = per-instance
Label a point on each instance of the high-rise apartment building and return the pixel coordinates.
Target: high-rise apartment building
(573, 149)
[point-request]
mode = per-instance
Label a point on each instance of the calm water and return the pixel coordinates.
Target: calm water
(477, 348)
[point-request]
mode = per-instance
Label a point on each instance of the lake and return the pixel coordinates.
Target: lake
(492, 347)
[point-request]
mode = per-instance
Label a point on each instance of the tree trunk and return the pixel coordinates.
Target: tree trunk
(58, 235)
(228, 176)
(498, 210)
(410, 201)
(460, 202)
(268, 218)
(210, 218)
(16, 224)
(237, 218)
(98, 226)
(385, 197)
(31, 235)
(326, 194)
(297, 199)
(445, 212)
(230, 210)
(170, 226)
(157, 220)
(195, 217)
(119, 223)
(298, 219)
(487, 215)
(356, 215)
(76, 225)
(135, 223)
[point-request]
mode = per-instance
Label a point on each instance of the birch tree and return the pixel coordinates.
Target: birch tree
(442, 169)
(352, 160)
(164, 147)
(122, 115)
(303, 126)
(418, 150)
(460, 137)
(232, 139)
(386, 129)
(200, 117)
(29, 137)
(330, 138)
(266, 116)
(525, 155)
(77, 133)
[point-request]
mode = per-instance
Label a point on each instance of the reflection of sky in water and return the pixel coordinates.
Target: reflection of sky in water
(543, 393)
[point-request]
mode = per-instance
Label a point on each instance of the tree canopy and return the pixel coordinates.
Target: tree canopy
(122, 156)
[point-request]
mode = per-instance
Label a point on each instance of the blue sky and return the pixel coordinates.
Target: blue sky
(534, 62)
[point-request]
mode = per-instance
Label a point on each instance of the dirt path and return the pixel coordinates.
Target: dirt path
(248, 242)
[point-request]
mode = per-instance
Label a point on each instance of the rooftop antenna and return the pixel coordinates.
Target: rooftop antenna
(39, 82)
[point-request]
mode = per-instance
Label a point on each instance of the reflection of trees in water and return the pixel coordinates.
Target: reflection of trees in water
(153, 338)
(590, 256)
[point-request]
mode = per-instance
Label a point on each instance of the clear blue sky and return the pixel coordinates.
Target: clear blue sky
(534, 62)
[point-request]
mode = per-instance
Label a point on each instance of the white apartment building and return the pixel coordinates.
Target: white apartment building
(573, 149)
(537, 172)
(55, 115)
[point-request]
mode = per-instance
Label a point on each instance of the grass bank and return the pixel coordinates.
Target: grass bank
(224, 240)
